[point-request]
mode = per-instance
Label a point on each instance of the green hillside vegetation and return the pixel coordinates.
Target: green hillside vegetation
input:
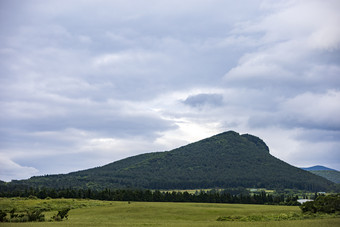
(223, 161)
(331, 175)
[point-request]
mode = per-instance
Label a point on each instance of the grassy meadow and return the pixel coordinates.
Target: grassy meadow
(110, 213)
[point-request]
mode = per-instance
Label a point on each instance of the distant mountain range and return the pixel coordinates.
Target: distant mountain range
(223, 161)
(317, 168)
(330, 174)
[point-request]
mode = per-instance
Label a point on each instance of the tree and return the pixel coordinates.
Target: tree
(323, 204)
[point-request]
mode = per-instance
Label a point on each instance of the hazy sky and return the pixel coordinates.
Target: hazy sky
(87, 82)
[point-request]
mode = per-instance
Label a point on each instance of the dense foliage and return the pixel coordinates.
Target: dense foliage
(323, 204)
(61, 214)
(238, 195)
(222, 161)
(28, 216)
(31, 215)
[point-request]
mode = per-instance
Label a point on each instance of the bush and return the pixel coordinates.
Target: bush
(12, 213)
(230, 218)
(276, 217)
(3, 216)
(32, 197)
(308, 207)
(30, 215)
(324, 204)
(35, 215)
(61, 215)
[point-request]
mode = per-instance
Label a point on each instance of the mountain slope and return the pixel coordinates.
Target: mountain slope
(325, 172)
(331, 175)
(225, 160)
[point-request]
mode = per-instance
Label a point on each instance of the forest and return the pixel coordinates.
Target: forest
(240, 195)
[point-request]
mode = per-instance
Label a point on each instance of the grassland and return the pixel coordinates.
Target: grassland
(105, 213)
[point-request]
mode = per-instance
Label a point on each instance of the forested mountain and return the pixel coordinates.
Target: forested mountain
(330, 174)
(224, 161)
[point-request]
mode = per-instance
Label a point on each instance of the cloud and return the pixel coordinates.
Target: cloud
(288, 47)
(10, 170)
(307, 110)
(113, 117)
(125, 58)
(312, 24)
(139, 77)
(204, 100)
(310, 110)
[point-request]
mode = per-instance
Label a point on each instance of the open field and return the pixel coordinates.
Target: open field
(106, 213)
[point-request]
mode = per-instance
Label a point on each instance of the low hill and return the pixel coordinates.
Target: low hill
(322, 171)
(225, 160)
(312, 168)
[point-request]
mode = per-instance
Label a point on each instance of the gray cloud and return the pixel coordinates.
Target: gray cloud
(204, 100)
(308, 110)
(102, 80)
(316, 135)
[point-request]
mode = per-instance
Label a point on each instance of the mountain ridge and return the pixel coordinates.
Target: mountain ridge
(225, 160)
(317, 167)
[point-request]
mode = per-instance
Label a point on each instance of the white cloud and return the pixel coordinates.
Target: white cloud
(10, 170)
(118, 58)
(312, 23)
(292, 38)
(313, 110)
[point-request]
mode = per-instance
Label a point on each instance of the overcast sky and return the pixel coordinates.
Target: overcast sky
(87, 82)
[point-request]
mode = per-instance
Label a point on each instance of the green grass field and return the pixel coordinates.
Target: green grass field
(105, 213)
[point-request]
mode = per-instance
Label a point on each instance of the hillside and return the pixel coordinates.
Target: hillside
(225, 160)
(331, 175)
(325, 172)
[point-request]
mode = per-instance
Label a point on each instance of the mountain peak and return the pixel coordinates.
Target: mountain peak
(232, 135)
(257, 141)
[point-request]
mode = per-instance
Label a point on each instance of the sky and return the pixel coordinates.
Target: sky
(84, 83)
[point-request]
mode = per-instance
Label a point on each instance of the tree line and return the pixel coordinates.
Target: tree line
(240, 196)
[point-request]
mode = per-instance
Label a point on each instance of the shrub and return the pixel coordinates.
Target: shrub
(35, 215)
(324, 204)
(308, 207)
(32, 197)
(61, 215)
(229, 218)
(3, 216)
(12, 213)
(30, 215)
